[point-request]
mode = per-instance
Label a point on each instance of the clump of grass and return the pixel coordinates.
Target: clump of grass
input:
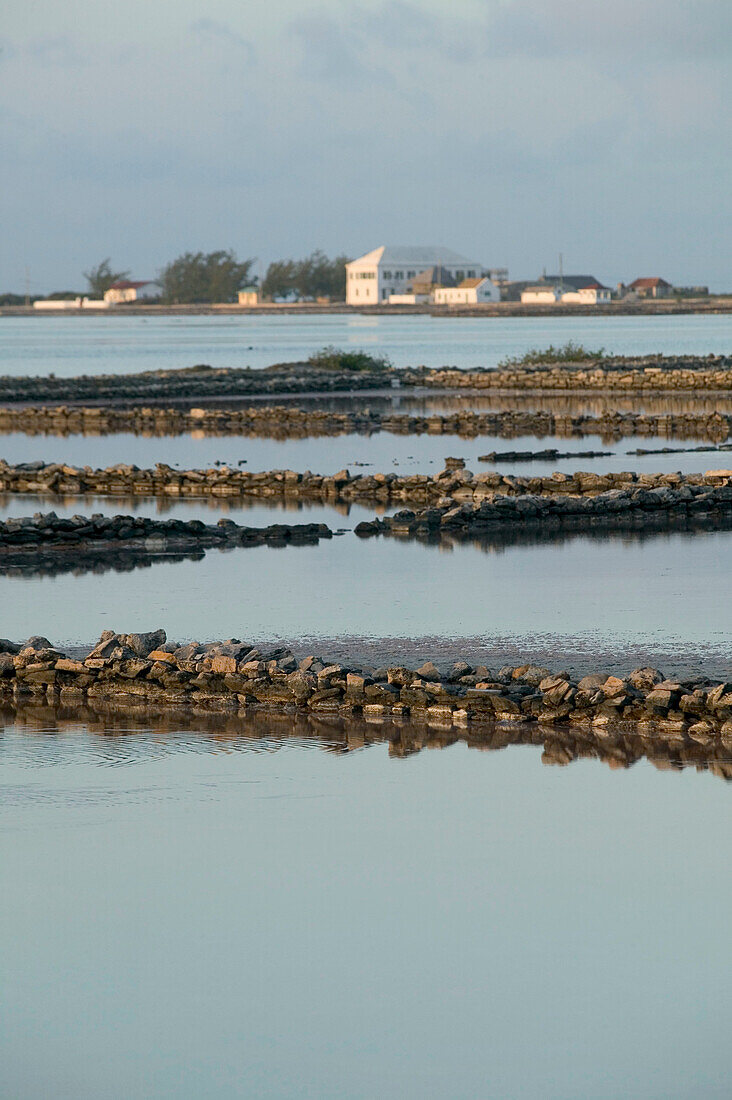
(332, 358)
(565, 353)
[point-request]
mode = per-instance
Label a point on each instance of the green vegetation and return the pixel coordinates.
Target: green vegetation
(331, 358)
(205, 277)
(566, 353)
(313, 277)
(101, 278)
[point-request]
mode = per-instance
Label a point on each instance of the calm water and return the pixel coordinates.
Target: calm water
(186, 917)
(117, 345)
(382, 452)
(608, 595)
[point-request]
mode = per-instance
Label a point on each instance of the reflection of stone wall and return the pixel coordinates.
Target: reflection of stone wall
(245, 730)
(283, 422)
(593, 714)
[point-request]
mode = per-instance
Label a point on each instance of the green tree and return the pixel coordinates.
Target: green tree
(101, 278)
(280, 279)
(205, 277)
(315, 276)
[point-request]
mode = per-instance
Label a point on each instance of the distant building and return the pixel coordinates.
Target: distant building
(249, 296)
(468, 292)
(389, 270)
(127, 291)
(70, 303)
(651, 288)
(588, 295)
(572, 289)
(542, 294)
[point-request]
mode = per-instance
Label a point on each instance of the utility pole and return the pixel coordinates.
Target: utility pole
(27, 288)
(561, 273)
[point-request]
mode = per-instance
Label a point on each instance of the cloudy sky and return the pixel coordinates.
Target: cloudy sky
(509, 130)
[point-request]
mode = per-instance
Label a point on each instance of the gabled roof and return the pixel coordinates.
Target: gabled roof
(474, 282)
(574, 282)
(433, 276)
(422, 255)
(126, 284)
(639, 284)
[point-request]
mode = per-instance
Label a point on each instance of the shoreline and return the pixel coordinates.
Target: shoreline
(144, 669)
(664, 307)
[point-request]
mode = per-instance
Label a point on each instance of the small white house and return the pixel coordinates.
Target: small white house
(409, 299)
(588, 295)
(127, 291)
(542, 295)
(468, 292)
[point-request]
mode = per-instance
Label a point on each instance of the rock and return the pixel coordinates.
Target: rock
(428, 671)
(143, 644)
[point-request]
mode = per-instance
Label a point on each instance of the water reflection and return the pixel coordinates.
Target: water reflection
(40, 736)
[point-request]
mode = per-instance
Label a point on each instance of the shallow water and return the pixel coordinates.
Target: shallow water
(198, 916)
(118, 345)
(381, 452)
(594, 593)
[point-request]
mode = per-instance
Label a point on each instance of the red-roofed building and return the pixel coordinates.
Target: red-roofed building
(651, 288)
(129, 291)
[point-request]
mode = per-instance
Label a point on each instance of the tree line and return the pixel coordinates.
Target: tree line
(219, 276)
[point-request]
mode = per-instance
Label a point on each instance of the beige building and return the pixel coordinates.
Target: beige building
(651, 288)
(388, 270)
(249, 296)
(127, 291)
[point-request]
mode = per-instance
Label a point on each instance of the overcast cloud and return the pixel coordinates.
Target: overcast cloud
(510, 130)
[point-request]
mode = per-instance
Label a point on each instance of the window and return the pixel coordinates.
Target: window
(459, 275)
(471, 273)
(398, 274)
(411, 274)
(387, 274)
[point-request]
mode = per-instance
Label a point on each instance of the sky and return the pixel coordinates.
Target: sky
(508, 130)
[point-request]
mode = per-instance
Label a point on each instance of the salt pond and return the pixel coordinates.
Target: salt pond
(191, 916)
(381, 452)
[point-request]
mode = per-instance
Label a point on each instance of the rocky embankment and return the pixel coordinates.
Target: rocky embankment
(144, 669)
(633, 508)
(283, 422)
(639, 374)
(632, 375)
(20, 537)
(453, 484)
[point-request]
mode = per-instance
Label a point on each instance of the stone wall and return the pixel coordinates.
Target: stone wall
(145, 669)
(454, 483)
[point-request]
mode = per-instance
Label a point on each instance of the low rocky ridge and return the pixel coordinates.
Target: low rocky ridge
(283, 422)
(643, 373)
(146, 669)
(634, 375)
(617, 745)
(453, 484)
(632, 507)
(48, 531)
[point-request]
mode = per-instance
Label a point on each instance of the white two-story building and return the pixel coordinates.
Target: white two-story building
(388, 270)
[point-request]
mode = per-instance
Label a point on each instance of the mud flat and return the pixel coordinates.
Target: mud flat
(285, 422)
(144, 669)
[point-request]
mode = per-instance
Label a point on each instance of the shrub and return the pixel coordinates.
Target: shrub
(331, 358)
(566, 353)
